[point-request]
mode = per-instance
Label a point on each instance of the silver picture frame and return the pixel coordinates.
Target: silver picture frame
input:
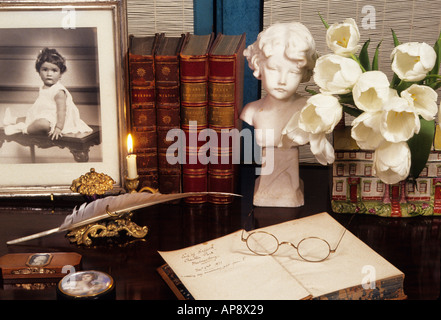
(93, 37)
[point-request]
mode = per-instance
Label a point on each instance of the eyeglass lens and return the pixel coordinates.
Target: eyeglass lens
(262, 243)
(313, 249)
(310, 249)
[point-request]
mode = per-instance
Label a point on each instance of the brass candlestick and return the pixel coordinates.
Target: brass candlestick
(132, 184)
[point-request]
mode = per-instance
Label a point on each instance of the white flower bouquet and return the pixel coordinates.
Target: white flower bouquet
(394, 118)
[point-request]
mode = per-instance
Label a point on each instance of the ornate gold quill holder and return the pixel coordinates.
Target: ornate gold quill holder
(93, 185)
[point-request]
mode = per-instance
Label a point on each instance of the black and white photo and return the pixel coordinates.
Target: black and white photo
(46, 65)
(62, 93)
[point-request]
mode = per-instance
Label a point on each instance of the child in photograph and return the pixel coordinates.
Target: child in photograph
(54, 112)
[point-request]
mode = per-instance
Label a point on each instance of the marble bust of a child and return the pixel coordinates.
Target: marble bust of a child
(282, 57)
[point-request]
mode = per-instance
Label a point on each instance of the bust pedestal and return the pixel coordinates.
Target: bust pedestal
(279, 184)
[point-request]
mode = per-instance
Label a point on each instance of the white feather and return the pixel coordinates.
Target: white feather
(99, 209)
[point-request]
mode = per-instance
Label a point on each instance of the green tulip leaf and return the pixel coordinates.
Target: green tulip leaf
(351, 110)
(395, 79)
(396, 42)
(435, 69)
(435, 85)
(323, 21)
(420, 146)
(375, 59)
(364, 56)
(403, 85)
(310, 91)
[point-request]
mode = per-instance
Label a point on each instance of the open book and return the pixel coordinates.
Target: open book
(225, 268)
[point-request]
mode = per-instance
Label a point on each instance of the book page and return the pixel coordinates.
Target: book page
(351, 265)
(225, 269)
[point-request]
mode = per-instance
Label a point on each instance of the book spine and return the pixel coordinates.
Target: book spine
(225, 103)
(194, 104)
(167, 118)
(385, 289)
(143, 118)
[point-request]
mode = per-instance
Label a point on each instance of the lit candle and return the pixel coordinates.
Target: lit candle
(132, 171)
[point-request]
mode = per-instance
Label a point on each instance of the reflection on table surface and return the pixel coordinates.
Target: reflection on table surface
(412, 244)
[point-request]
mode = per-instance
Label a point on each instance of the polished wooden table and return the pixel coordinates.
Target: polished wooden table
(412, 244)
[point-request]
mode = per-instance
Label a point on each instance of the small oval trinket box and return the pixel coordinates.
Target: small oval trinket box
(86, 285)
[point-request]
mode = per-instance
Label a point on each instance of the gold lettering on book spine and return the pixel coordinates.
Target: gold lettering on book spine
(193, 92)
(221, 116)
(221, 92)
(198, 114)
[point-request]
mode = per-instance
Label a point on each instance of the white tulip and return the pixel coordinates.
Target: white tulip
(335, 74)
(321, 114)
(423, 98)
(319, 145)
(343, 38)
(293, 133)
(392, 162)
(371, 91)
(366, 130)
(399, 120)
(411, 61)
(321, 148)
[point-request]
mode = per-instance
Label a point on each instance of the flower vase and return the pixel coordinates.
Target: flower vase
(356, 189)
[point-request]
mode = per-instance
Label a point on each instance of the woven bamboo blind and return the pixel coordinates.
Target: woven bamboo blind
(173, 17)
(412, 20)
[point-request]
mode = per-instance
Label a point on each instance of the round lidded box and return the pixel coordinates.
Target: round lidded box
(86, 285)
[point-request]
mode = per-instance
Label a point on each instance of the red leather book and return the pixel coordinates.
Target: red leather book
(226, 65)
(194, 111)
(167, 81)
(142, 108)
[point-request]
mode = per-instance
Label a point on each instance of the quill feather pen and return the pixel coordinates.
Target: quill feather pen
(98, 210)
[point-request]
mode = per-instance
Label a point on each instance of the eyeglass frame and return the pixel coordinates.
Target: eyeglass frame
(292, 245)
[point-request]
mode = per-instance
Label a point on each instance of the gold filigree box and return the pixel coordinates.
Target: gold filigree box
(92, 185)
(38, 266)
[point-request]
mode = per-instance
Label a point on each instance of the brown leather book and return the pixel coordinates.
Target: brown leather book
(168, 104)
(226, 65)
(143, 109)
(194, 111)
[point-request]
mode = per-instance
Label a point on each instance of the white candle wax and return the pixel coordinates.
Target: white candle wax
(132, 171)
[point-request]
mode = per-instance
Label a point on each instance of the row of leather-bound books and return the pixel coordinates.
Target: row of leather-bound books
(183, 92)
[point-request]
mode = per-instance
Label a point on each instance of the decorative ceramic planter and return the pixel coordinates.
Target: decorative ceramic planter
(356, 190)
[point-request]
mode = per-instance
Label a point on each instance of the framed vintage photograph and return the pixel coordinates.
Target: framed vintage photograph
(39, 260)
(62, 93)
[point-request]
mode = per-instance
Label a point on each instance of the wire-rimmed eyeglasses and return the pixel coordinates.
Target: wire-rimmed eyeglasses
(311, 249)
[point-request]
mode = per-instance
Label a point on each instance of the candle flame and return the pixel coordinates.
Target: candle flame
(130, 144)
